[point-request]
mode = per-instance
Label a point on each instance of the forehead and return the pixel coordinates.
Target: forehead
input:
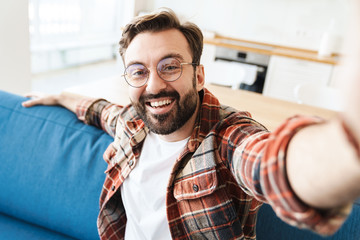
(150, 47)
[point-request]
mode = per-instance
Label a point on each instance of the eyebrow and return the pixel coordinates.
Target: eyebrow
(174, 55)
(134, 62)
(169, 55)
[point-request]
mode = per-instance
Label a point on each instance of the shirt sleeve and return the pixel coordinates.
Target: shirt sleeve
(259, 165)
(99, 113)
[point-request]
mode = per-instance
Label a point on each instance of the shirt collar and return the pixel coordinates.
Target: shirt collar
(208, 116)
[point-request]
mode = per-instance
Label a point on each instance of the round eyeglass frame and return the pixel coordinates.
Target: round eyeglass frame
(157, 71)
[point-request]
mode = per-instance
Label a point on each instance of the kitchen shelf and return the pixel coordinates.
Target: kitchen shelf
(270, 49)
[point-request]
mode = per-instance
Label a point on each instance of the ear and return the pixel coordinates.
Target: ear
(200, 77)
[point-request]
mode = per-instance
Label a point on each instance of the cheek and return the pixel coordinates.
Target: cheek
(135, 93)
(184, 84)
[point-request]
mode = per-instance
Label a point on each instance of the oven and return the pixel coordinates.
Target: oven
(239, 69)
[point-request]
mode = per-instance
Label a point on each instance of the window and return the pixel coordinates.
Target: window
(65, 33)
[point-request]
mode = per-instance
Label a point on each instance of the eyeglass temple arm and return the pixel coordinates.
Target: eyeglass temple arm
(194, 64)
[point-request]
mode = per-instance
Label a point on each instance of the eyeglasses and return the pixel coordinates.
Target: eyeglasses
(168, 69)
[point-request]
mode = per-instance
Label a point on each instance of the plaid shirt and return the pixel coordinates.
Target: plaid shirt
(231, 164)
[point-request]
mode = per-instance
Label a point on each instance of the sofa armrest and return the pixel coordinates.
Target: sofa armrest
(51, 167)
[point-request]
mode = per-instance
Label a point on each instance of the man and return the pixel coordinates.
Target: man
(183, 166)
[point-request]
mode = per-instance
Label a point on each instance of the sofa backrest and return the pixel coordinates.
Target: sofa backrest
(51, 167)
(269, 227)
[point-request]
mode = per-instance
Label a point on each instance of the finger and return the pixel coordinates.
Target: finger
(29, 95)
(109, 153)
(34, 95)
(30, 103)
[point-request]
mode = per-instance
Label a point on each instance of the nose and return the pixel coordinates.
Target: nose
(155, 84)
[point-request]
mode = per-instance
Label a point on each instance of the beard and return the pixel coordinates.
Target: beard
(173, 120)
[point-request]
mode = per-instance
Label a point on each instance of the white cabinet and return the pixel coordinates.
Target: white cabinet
(284, 74)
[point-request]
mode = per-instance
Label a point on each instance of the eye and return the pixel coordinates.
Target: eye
(138, 73)
(170, 67)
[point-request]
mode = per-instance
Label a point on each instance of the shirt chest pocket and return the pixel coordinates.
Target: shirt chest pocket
(196, 186)
(204, 204)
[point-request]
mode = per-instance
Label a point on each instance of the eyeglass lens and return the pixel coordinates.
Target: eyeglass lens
(169, 69)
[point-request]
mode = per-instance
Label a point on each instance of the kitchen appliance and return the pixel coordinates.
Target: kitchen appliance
(248, 69)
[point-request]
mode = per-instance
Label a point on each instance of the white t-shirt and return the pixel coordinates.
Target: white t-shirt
(143, 192)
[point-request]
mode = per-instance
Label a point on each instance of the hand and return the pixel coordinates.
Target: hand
(40, 99)
(109, 153)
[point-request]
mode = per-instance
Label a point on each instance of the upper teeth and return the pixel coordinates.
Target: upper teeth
(160, 103)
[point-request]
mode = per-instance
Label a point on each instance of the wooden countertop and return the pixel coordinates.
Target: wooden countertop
(270, 49)
(268, 111)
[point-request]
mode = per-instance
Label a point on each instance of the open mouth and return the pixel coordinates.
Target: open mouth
(160, 104)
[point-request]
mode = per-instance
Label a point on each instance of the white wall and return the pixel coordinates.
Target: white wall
(14, 47)
(295, 23)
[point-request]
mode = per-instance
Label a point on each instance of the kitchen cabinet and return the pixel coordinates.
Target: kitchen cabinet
(284, 74)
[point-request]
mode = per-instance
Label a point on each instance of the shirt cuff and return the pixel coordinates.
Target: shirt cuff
(89, 110)
(280, 194)
(82, 107)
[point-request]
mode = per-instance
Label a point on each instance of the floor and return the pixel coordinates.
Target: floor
(56, 81)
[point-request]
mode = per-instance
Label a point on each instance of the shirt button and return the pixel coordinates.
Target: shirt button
(113, 188)
(195, 188)
(131, 162)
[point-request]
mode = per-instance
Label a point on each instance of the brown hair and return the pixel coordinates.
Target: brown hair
(160, 21)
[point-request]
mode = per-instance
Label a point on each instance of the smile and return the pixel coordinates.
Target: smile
(162, 103)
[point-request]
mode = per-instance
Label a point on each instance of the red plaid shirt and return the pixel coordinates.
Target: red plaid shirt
(231, 164)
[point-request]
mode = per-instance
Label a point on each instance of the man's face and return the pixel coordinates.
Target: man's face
(164, 106)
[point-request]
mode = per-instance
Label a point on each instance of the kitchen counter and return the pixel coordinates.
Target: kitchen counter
(268, 111)
(270, 49)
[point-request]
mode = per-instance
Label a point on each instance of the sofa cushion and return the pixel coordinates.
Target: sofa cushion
(269, 226)
(11, 228)
(51, 167)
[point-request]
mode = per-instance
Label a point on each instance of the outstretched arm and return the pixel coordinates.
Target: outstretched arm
(97, 112)
(323, 167)
(323, 161)
(67, 100)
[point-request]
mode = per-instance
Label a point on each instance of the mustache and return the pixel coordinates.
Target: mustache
(171, 94)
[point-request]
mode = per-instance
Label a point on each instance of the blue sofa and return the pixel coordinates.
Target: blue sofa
(51, 175)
